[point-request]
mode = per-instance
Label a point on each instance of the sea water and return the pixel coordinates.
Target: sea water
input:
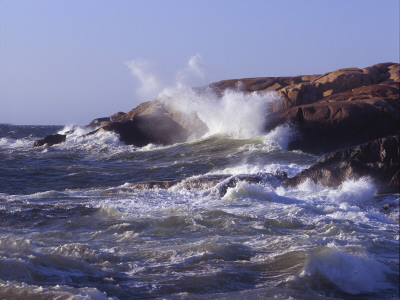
(76, 225)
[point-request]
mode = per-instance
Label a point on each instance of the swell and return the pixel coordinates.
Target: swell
(95, 224)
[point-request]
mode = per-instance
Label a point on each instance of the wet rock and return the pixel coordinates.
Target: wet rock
(50, 140)
(154, 185)
(203, 182)
(378, 159)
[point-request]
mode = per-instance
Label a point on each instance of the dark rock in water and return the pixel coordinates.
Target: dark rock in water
(378, 159)
(154, 184)
(203, 182)
(196, 183)
(50, 140)
(220, 181)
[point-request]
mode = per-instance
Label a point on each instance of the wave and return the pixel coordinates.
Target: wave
(12, 143)
(351, 273)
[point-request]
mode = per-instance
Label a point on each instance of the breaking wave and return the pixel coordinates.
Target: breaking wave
(235, 113)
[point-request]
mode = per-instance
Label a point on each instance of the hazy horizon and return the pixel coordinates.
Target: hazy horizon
(69, 62)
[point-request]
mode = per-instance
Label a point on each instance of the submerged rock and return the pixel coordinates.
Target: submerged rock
(378, 159)
(219, 182)
(50, 140)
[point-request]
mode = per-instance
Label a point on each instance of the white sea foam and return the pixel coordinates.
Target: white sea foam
(10, 143)
(246, 168)
(244, 190)
(354, 192)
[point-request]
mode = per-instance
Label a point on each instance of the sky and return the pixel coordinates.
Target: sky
(71, 61)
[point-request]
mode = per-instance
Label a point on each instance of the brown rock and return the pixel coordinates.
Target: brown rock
(343, 119)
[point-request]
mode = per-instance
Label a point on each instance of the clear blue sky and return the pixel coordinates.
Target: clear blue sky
(70, 61)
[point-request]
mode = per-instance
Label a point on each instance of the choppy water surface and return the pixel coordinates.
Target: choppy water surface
(74, 225)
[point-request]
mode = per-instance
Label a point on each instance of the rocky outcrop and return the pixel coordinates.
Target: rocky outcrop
(334, 110)
(50, 140)
(331, 111)
(307, 89)
(378, 159)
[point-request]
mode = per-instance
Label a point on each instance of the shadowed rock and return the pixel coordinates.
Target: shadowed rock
(378, 159)
(50, 140)
(157, 123)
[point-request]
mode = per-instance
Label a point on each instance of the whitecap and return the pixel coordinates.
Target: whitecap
(280, 137)
(354, 192)
(352, 273)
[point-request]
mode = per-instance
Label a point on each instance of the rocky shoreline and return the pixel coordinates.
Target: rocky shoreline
(351, 115)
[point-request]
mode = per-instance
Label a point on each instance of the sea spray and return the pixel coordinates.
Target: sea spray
(235, 113)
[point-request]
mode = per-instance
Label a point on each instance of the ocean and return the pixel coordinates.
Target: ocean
(93, 218)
